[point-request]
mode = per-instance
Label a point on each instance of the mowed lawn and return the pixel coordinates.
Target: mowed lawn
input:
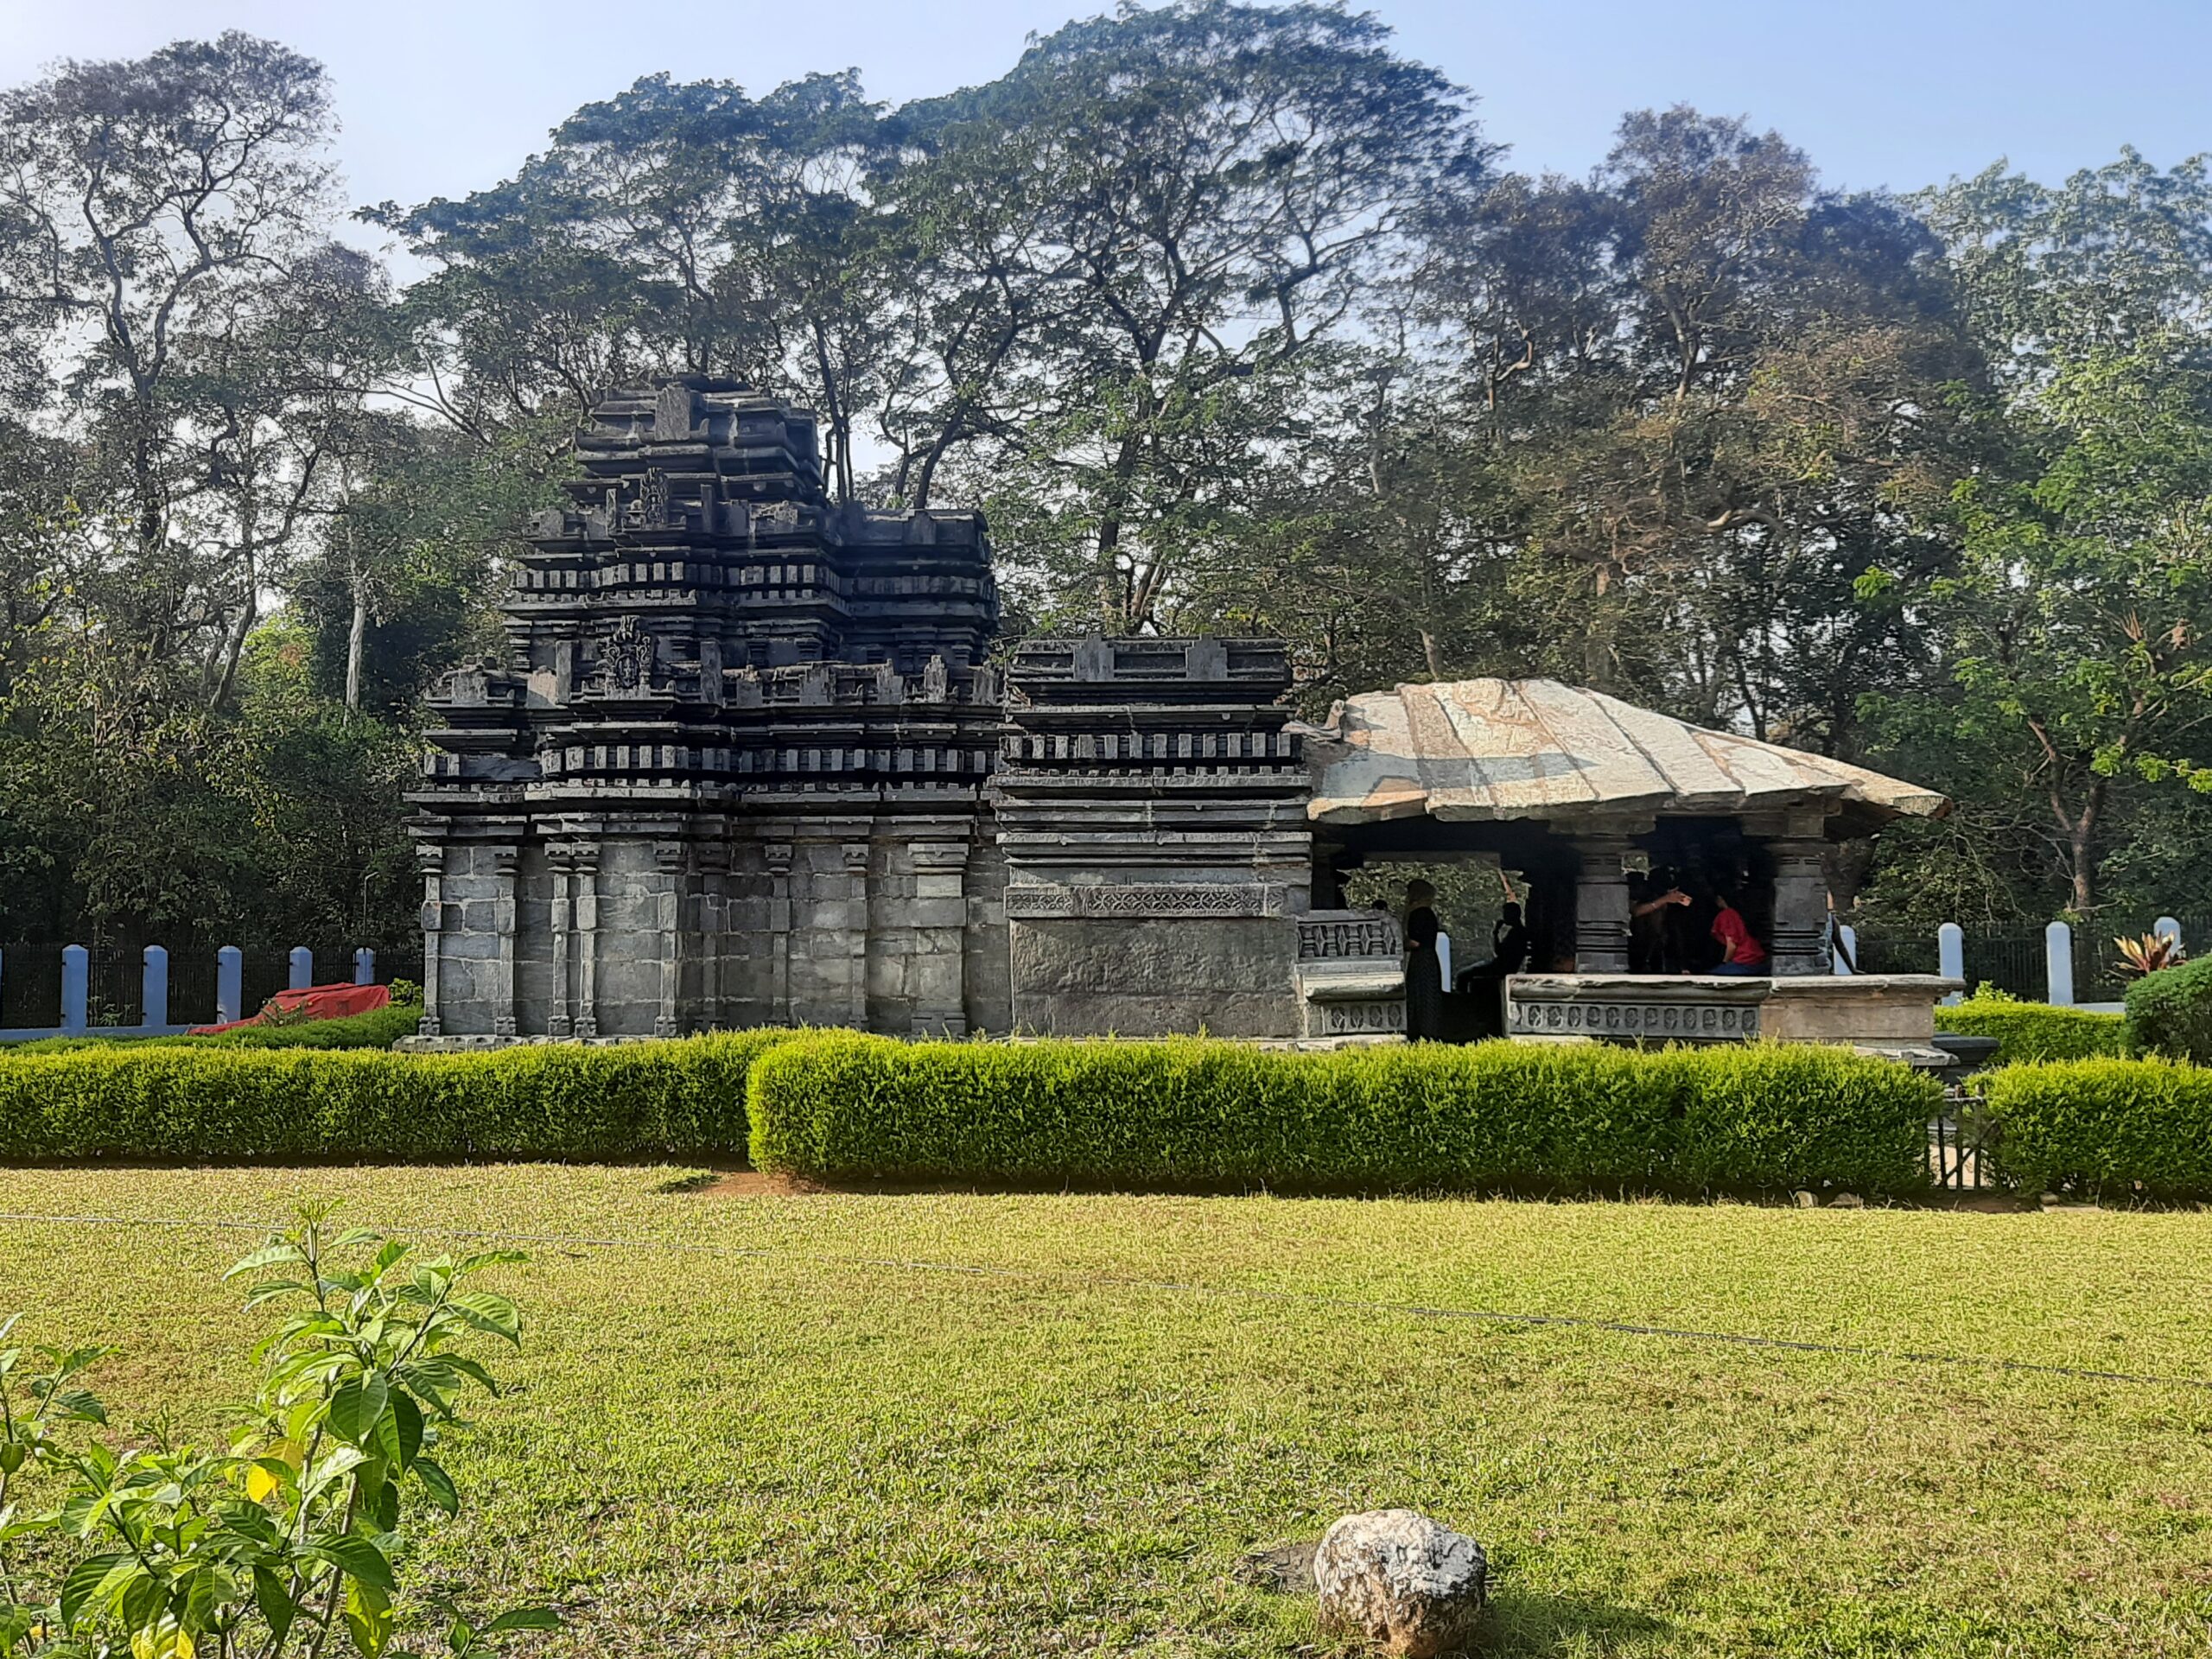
(1003, 1425)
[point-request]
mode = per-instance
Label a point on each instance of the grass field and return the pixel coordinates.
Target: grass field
(1050, 1425)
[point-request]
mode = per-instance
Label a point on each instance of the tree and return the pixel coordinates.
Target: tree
(200, 346)
(1219, 184)
(150, 206)
(676, 227)
(2077, 622)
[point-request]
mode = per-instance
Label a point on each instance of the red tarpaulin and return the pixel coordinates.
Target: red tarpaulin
(314, 1002)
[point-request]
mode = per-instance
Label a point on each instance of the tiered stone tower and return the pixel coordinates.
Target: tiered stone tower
(731, 771)
(746, 764)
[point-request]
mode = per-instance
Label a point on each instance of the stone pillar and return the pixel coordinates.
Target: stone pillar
(939, 981)
(430, 860)
(1800, 945)
(856, 861)
(583, 900)
(2058, 964)
(560, 860)
(1601, 917)
(711, 860)
(1951, 957)
(504, 863)
(777, 855)
(672, 863)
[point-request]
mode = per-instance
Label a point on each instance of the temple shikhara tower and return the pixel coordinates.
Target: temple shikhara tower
(733, 771)
(754, 757)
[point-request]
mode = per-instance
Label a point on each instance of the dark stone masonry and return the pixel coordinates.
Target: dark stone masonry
(745, 764)
(748, 758)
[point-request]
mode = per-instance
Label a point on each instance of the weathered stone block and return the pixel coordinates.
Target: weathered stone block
(1400, 1581)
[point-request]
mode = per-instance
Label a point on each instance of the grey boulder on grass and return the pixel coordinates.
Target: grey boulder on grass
(1409, 1585)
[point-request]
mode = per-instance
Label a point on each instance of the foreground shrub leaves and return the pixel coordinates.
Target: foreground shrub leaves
(1194, 1114)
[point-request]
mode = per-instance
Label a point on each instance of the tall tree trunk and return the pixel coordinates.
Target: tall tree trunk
(249, 607)
(356, 634)
(1434, 657)
(2080, 840)
(235, 646)
(1113, 609)
(1598, 642)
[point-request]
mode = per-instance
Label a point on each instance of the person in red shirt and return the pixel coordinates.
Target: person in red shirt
(1741, 956)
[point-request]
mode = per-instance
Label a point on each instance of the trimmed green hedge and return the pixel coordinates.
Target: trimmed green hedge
(239, 1104)
(2104, 1125)
(1195, 1114)
(2027, 1031)
(2170, 1013)
(379, 1028)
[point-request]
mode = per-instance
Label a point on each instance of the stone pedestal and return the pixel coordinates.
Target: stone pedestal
(1888, 1014)
(1351, 974)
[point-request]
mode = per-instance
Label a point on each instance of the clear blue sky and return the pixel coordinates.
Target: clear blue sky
(438, 97)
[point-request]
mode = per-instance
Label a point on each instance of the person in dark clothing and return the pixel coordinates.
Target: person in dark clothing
(1649, 948)
(1424, 970)
(1508, 942)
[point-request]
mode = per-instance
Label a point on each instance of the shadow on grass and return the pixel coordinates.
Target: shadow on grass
(1530, 1623)
(698, 1181)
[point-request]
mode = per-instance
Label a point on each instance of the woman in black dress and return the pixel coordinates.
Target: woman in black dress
(1424, 972)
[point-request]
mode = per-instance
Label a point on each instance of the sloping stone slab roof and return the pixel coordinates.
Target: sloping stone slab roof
(1495, 750)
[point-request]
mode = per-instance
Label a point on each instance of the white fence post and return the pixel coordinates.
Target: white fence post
(1951, 957)
(1849, 936)
(153, 988)
(365, 966)
(76, 987)
(230, 985)
(2167, 927)
(2058, 963)
(302, 965)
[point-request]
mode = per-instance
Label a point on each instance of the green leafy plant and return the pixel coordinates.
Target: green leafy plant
(233, 1102)
(2028, 1032)
(2149, 953)
(1191, 1113)
(379, 1028)
(2170, 1013)
(2105, 1127)
(299, 1528)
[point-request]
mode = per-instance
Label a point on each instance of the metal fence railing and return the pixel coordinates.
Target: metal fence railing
(2017, 960)
(33, 995)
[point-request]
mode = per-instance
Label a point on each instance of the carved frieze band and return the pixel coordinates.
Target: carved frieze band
(1048, 901)
(1324, 938)
(1702, 1020)
(1380, 1016)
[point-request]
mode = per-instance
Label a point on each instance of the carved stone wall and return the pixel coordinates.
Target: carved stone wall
(1151, 807)
(745, 762)
(729, 713)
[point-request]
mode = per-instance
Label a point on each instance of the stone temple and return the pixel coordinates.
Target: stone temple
(753, 757)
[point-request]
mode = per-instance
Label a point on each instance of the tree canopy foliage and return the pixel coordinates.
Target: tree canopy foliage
(1231, 317)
